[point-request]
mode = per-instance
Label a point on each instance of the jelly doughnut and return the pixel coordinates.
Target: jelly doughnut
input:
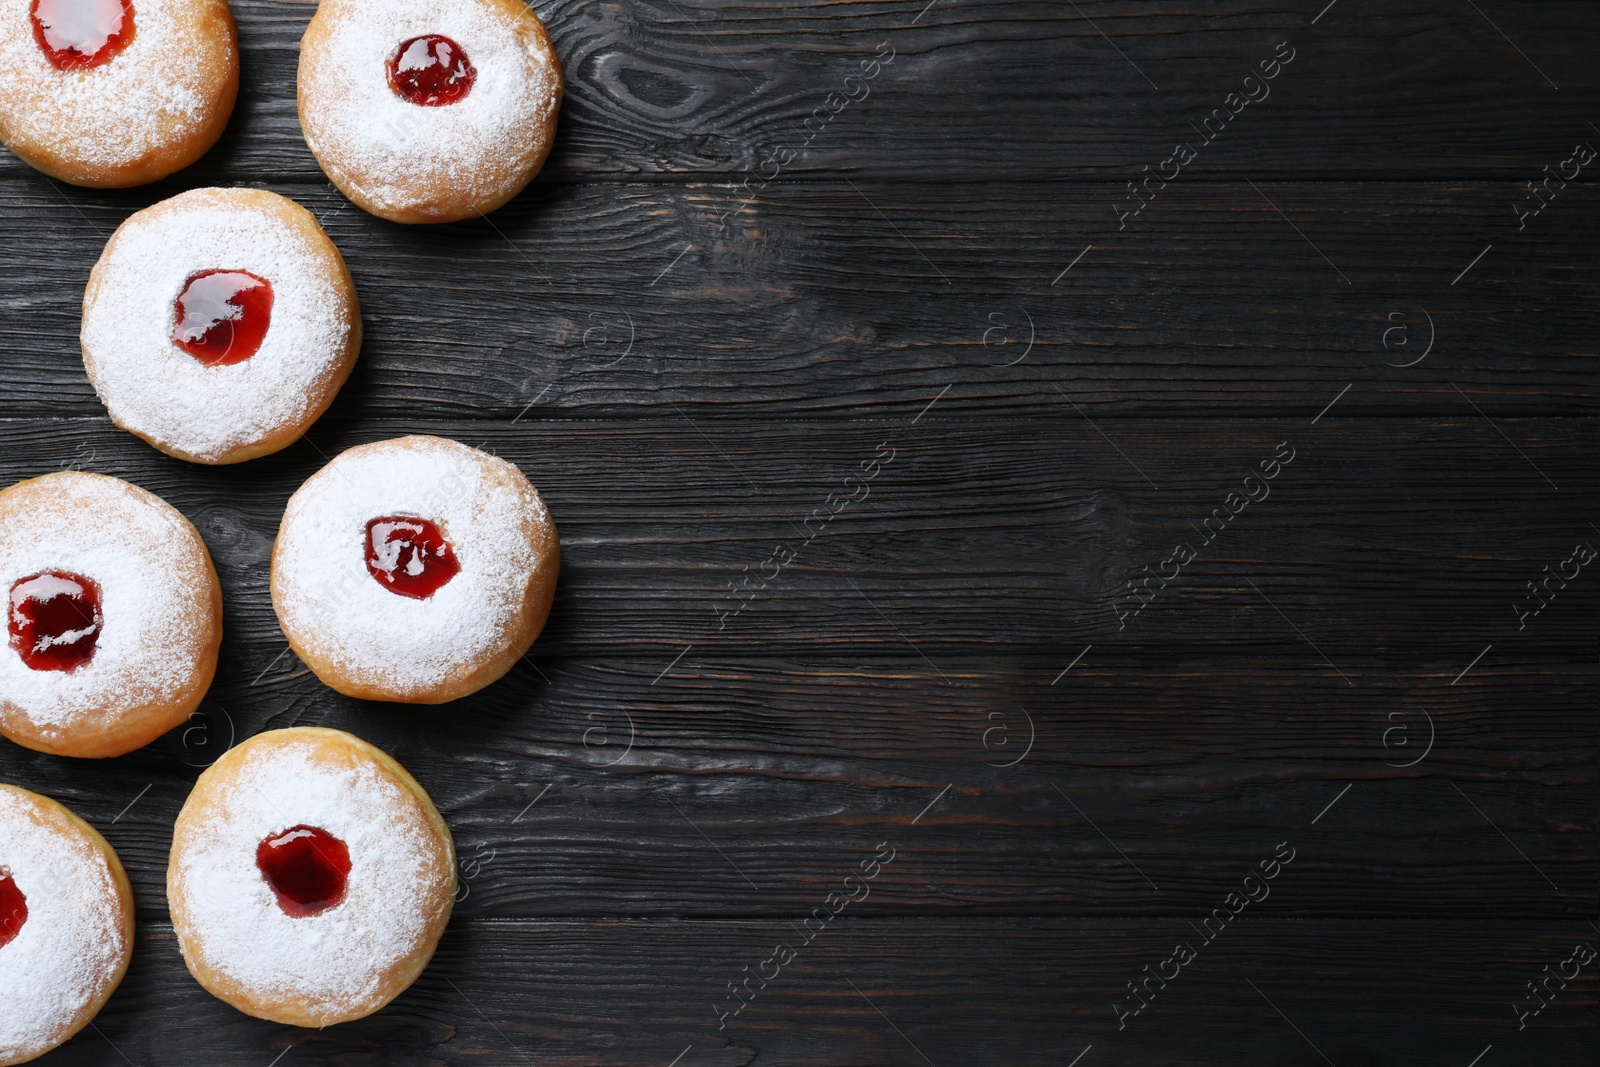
(429, 110)
(66, 924)
(113, 615)
(310, 878)
(220, 324)
(415, 570)
(113, 93)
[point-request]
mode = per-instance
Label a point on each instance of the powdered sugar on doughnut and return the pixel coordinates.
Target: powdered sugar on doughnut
(336, 960)
(322, 588)
(155, 389)
(383, 146)
(73, 942)
(145, 98)
(147, 561)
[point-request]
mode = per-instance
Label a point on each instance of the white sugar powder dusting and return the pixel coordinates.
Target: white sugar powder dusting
(383, 145)
(142, 554)
(334, 960)
(73, 941)
(156, 389)
(322, 587)
(141, 100)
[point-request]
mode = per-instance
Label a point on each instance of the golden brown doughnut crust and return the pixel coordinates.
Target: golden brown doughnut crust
(432, 897)
(208, 58)
(317, 642)
(439, 196)
(312, 401)
(130, 714)
(57, 818)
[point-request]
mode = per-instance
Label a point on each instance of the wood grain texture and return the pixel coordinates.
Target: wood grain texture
(690, 354)
(1000, 537)
(1009, 89)
(892, 994)
(1129, 788)
(825, 300)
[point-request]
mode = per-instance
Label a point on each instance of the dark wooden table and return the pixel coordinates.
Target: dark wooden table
(779, 245)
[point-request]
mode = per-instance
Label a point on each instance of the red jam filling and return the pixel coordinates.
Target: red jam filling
(79, 34)
(13, 910)
(221, 317)
(306, 867)
(55, 620)
(431, 71)
(409, 556)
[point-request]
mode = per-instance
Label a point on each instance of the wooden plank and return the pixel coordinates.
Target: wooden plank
(1024, 994)
(1012, 89)
(971, 536)
(952, 270)
(862, 299)
(1130, 787)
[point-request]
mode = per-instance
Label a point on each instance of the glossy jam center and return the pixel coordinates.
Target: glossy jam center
(55, 620)
(409, 556)
(222, 316)
(306, 867)
(13, 910)
(431, 71)
(78, 34)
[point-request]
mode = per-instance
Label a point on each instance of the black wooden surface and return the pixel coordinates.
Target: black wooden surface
(689, 362)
